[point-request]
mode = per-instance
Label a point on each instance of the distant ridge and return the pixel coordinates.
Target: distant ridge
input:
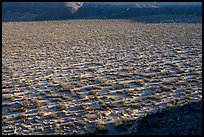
(42, 11)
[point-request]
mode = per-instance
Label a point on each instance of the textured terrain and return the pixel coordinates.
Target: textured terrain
(78, 76)
(184, 120)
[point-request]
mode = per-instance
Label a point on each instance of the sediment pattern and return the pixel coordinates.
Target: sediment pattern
(74, 77)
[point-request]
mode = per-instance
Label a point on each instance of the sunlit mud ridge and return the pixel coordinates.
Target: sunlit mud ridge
(78, 76)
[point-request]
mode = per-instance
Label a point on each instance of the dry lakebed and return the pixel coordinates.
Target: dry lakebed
(78, 76)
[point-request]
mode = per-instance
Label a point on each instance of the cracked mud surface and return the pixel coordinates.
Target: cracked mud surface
(67, 77)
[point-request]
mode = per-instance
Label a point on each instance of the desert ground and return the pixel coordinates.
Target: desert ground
(78, 76)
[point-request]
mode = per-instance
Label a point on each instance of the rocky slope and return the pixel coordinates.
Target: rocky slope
(184, 120)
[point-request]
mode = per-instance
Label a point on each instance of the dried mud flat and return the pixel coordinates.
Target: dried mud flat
(78, 76)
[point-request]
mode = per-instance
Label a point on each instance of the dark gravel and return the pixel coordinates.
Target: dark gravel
(184, 120)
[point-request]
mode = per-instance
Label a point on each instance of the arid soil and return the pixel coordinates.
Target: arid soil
(78, 76)
(184, 120)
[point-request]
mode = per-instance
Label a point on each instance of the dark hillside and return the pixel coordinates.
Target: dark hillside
(57, 11)
(185, 120)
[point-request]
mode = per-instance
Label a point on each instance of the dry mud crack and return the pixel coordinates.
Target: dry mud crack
(78, 76)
